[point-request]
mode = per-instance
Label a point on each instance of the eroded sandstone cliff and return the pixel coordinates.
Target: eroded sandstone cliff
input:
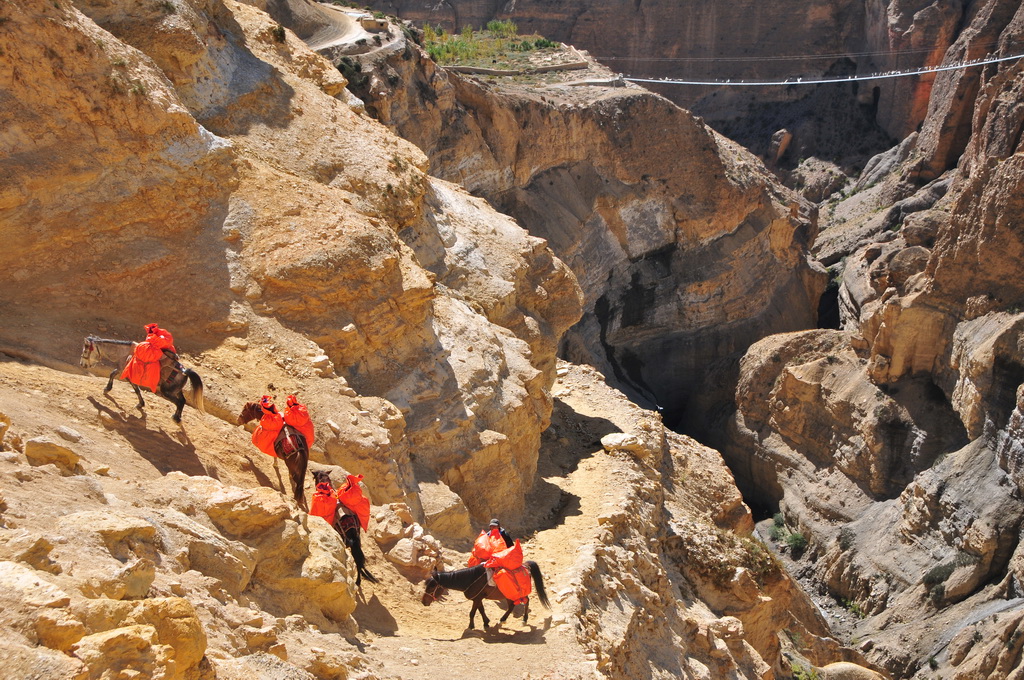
(891, 443)
(686, 249)
(194, 163)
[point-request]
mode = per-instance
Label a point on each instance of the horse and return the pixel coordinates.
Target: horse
(290, 446)
(347, 525)
(473, 582)
(173, 375)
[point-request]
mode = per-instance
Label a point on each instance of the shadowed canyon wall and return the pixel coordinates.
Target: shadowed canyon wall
(686, 249)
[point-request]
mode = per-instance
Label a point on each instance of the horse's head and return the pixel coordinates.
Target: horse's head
(433, 592)
(251, 411)
(321, 477)
(90, 354)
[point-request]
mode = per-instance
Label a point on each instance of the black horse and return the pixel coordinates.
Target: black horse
(173, 375)
(290, 446)
(347, 525)
(473, 582)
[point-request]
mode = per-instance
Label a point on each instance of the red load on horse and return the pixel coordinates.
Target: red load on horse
(325, 502)
(143, 368)
(512, 579)
(296, 415)
(487, 543)
(270, 427)
(350, 494)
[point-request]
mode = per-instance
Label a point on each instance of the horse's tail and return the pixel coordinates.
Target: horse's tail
(197, 389)
(538, 583)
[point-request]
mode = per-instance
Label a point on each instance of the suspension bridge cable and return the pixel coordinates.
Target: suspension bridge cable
(820, 80)
(794, 57)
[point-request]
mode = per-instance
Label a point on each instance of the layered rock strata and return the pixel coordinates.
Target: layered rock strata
(891, 443)
(214, 173)
(659, 218)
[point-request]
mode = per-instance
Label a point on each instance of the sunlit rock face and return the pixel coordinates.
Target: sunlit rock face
(687, 251)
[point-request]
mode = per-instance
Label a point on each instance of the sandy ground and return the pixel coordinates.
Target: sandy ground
(405, 638)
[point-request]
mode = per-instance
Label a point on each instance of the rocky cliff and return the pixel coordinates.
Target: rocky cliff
(196, 164)
(891, 443)
(686, 249)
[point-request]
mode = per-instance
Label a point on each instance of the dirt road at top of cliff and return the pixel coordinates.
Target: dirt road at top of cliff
(340, 28)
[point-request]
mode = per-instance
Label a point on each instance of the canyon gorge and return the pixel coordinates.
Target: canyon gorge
(742, 369)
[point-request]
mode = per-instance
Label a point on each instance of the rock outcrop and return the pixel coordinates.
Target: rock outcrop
(890, 443)
(659, 217)
(254, 209)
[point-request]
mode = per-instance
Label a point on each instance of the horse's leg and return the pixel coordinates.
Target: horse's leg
(300, 481)
(110, 382)
(509, 607)
(472, 614)
(179, 401)
(138, 393)
(526, 612)
(483, 613)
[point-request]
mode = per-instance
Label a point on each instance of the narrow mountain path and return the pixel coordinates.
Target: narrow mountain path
(419, 643)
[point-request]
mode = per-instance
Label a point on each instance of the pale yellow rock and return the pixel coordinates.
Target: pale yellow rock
(247, 512)
(848, 671)
(40, 663)
(45, 450)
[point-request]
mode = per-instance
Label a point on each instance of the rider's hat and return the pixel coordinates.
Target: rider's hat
(495, 523)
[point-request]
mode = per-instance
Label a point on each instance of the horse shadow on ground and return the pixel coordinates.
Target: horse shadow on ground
(373, 616)
(164, 451)
(497, 634)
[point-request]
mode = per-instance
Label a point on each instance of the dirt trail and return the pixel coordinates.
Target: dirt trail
(405, 638)
(420, 643)
(340, 28)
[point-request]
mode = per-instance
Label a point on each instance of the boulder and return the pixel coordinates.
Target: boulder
(245, 513)
(44, 450)
(444, 513)
(39, 663)
(620, 441)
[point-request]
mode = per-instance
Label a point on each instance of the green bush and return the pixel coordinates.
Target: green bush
(503, 29)
(939, 573)
(778, 519)
(278, 33)
(796, 542)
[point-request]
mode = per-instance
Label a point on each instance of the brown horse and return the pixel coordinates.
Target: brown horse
(290, 446)
(473, 582)
(173, 375)
(347, 526)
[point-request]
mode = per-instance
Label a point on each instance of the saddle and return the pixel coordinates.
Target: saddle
(169, 366)
(288, 441)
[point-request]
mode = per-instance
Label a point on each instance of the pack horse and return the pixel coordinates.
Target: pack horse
(173, 376)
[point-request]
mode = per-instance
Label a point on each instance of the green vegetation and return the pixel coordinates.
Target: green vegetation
(854, 608)
(797, 542)
(804, 673)
(167, 7)
(278, 33)
(494, 47)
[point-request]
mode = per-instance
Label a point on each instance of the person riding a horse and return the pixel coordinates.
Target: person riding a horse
(296, 415)
(144, 367)
(269, 428)
(491, 540)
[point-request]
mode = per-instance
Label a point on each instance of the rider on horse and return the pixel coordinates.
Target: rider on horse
(271, 424)
(144, 366)
(503, 558)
